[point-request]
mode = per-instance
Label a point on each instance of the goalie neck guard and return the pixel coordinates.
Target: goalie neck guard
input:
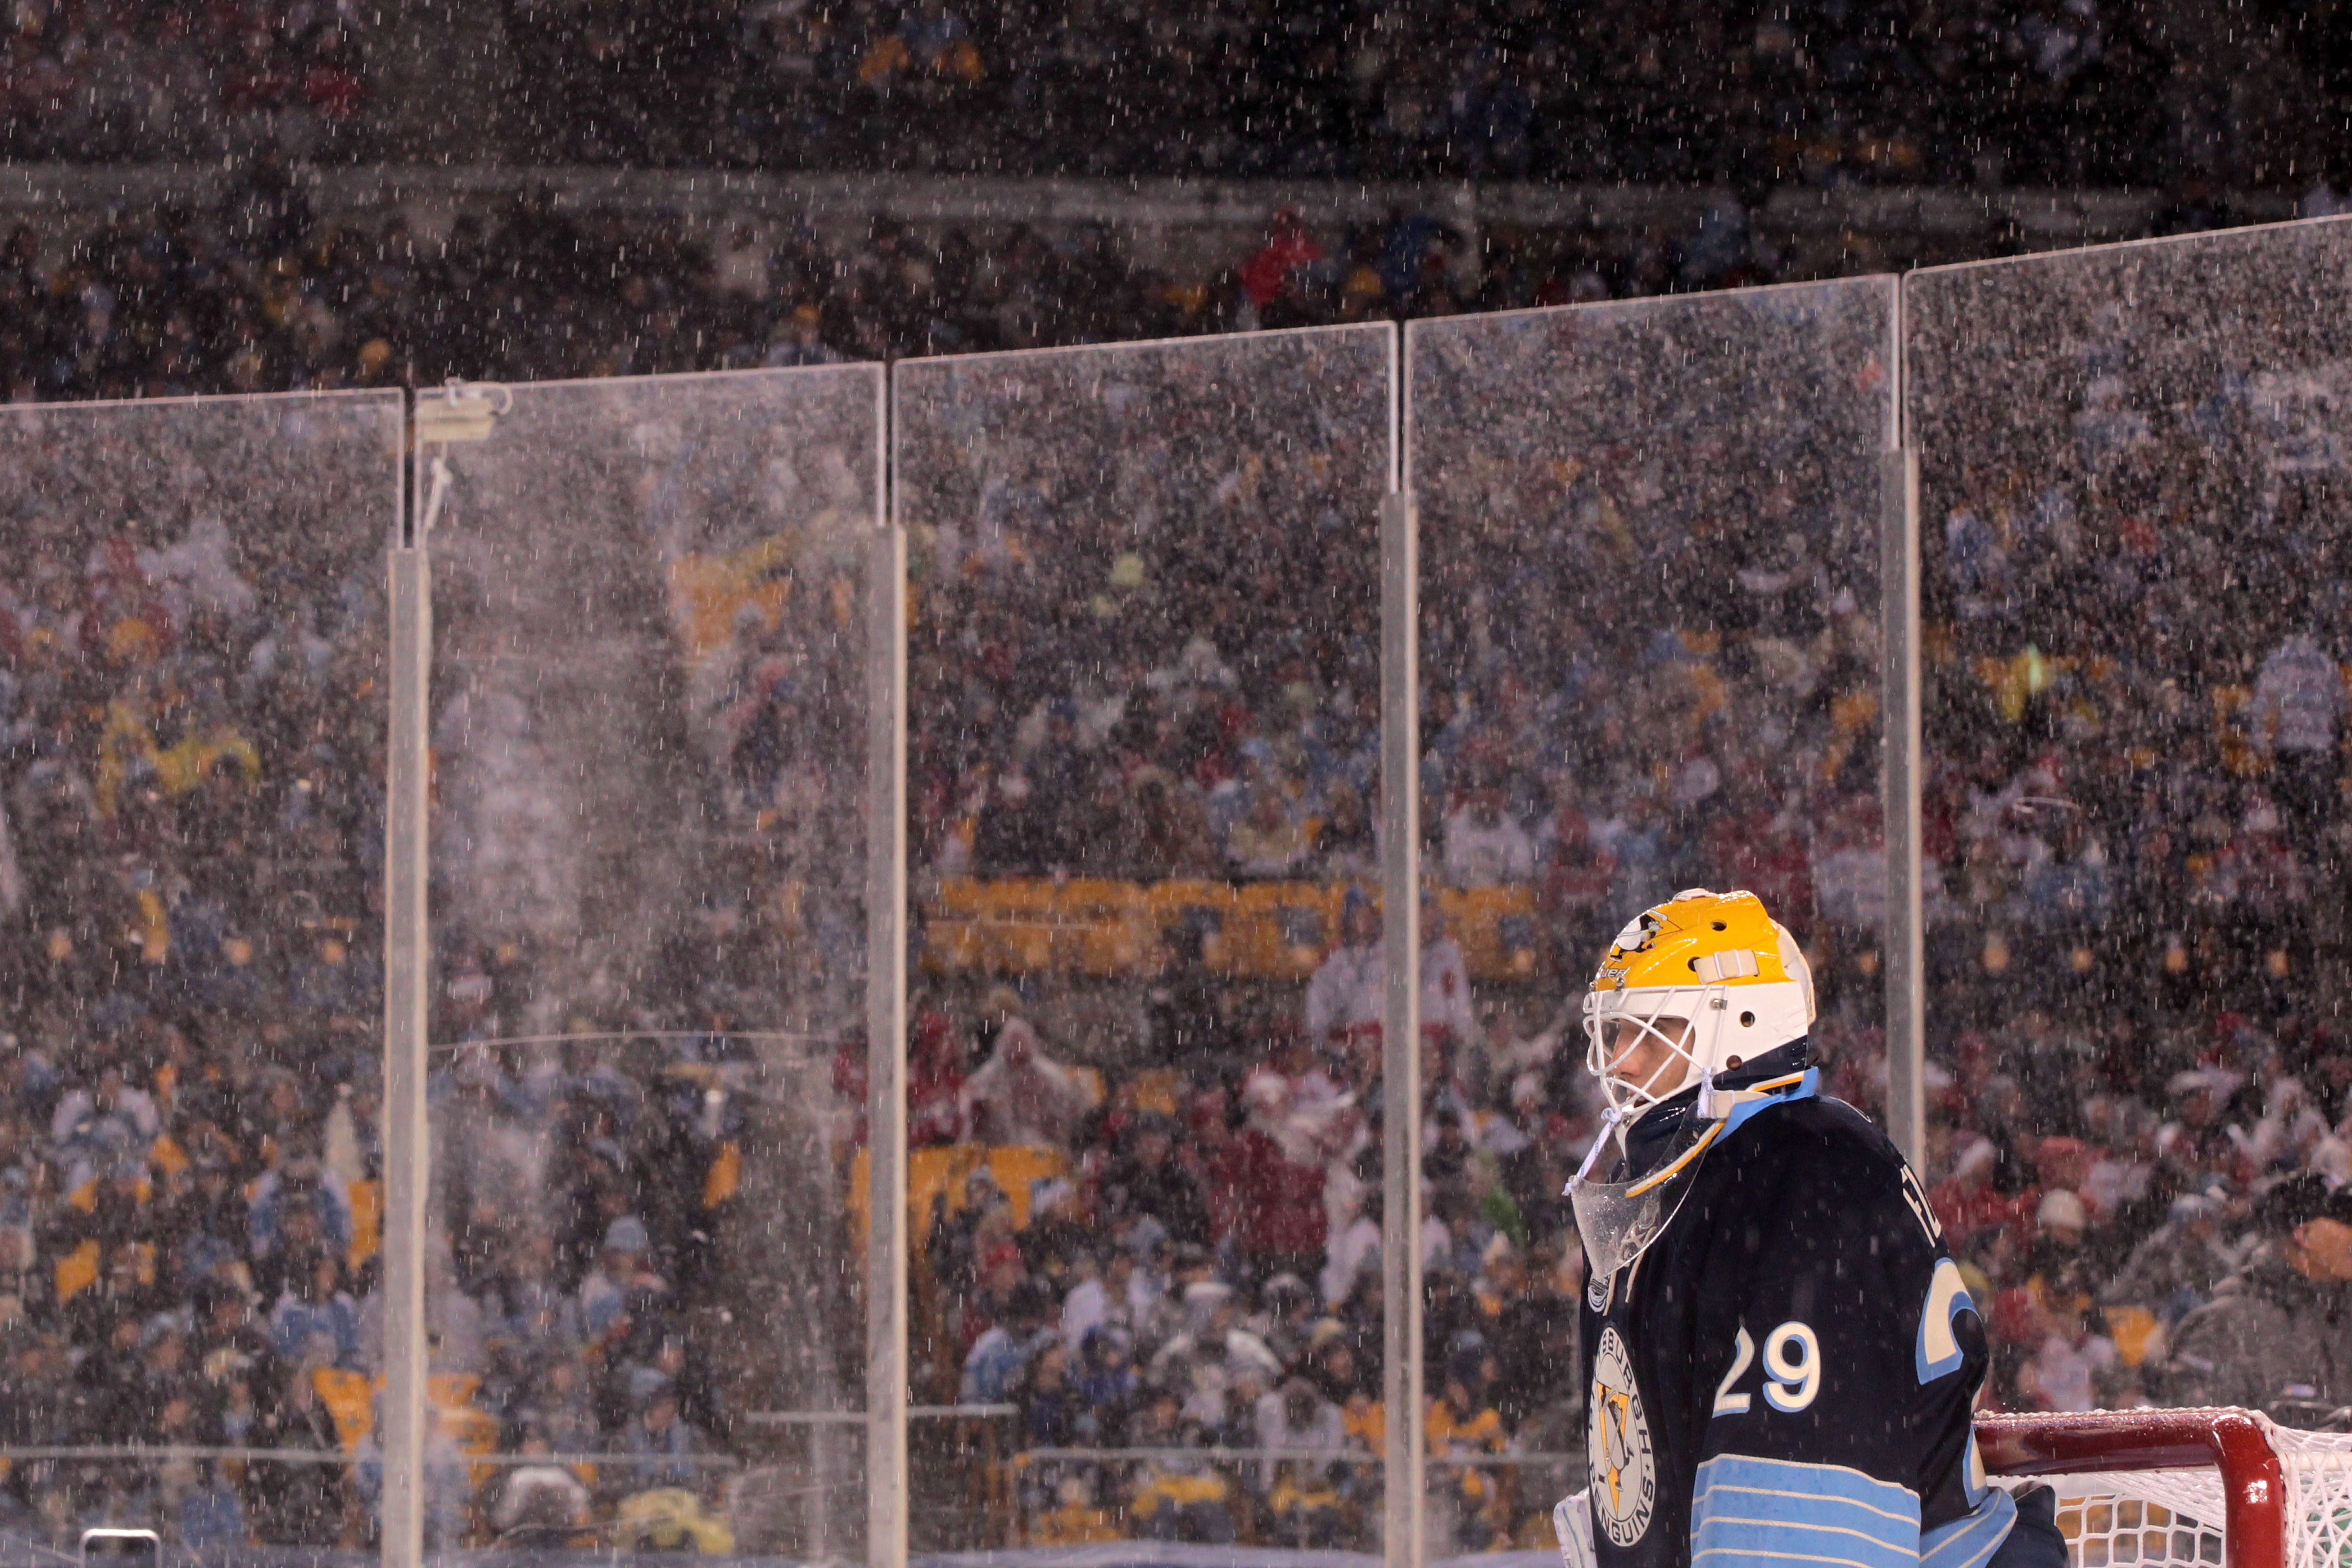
(1699, 1014)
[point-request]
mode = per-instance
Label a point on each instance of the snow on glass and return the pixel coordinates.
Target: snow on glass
(1143, 767)
(649, 871)
(191, 610)
(1650, 636)
(2131, 482)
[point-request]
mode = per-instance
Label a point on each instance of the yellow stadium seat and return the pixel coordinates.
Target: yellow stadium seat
(961, 896)
(1282, 929)
(367, 1221)
(1497, 929)
(951, 934)
(1018, 1167)
(951, 946)
(932, 1171)
(1208, 906)
(940, 1169)
(350, 1398)
(1100, 927)
(1016, 925)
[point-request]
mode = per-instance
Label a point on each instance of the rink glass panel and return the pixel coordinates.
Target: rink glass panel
(1143, 759)
(191, 822)
(2133, 489)
(645, 1254)
(1649, 661)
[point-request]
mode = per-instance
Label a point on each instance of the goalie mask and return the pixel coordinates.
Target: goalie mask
(1702, 984)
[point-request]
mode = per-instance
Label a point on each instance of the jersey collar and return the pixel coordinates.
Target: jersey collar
(1655, 1139)
(1736, 1106)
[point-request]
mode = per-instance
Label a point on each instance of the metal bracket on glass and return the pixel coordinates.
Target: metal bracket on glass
(460, 411)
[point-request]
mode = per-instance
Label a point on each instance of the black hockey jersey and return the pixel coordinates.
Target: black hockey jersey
(1784, 1377)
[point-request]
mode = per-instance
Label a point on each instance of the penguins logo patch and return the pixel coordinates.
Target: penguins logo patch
(1624, 1474)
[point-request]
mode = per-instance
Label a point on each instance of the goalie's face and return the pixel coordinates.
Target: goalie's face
(1644, 1044)
(1650, 1057)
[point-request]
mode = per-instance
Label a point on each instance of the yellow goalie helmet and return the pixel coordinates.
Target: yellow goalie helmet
(1702, 984)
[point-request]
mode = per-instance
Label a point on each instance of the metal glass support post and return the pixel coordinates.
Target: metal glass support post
(885, 1050)
(1906, 1107)
(1401, 1541)
(405, 1146)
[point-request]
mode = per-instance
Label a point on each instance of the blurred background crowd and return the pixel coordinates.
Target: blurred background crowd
(2097, 92)
(260, 290)
(1144, 1069)
(189, 1190)
(1144, 1047)
(2135, 833)
(1144, 1066)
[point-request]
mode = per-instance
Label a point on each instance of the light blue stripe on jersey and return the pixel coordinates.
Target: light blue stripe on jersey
(1762, 1512)
(1972, 1539)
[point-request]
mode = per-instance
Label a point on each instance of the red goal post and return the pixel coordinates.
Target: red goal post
(2173, 1488)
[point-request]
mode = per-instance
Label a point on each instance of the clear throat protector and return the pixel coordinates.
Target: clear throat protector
(1648, 1162)
(1649, 1050)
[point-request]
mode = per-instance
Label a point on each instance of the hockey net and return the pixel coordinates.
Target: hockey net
(2182, 1489)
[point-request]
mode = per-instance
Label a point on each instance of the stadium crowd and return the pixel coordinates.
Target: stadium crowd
(261, 294)
(1156, 1226)
(2135, 827)
(258, 292)
(191, 1181)
(2076, 93)
(2098, 92)
(2136, 1092)
(101, 81)
(188, 1135)
(1194, 696)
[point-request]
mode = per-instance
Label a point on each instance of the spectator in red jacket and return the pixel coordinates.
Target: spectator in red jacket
(1289, 248)
(1276, 1204)
(934, 1082)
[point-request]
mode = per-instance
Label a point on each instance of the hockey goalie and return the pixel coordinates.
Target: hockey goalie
(1783, 1355)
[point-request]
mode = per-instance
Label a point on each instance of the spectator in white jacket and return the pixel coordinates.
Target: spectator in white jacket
(1345, 999)
(1021, 1095)
(1484, 846)
(1118, 1293)
(2298, 713)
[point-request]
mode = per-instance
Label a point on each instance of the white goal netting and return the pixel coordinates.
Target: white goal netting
(2174, 1518)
